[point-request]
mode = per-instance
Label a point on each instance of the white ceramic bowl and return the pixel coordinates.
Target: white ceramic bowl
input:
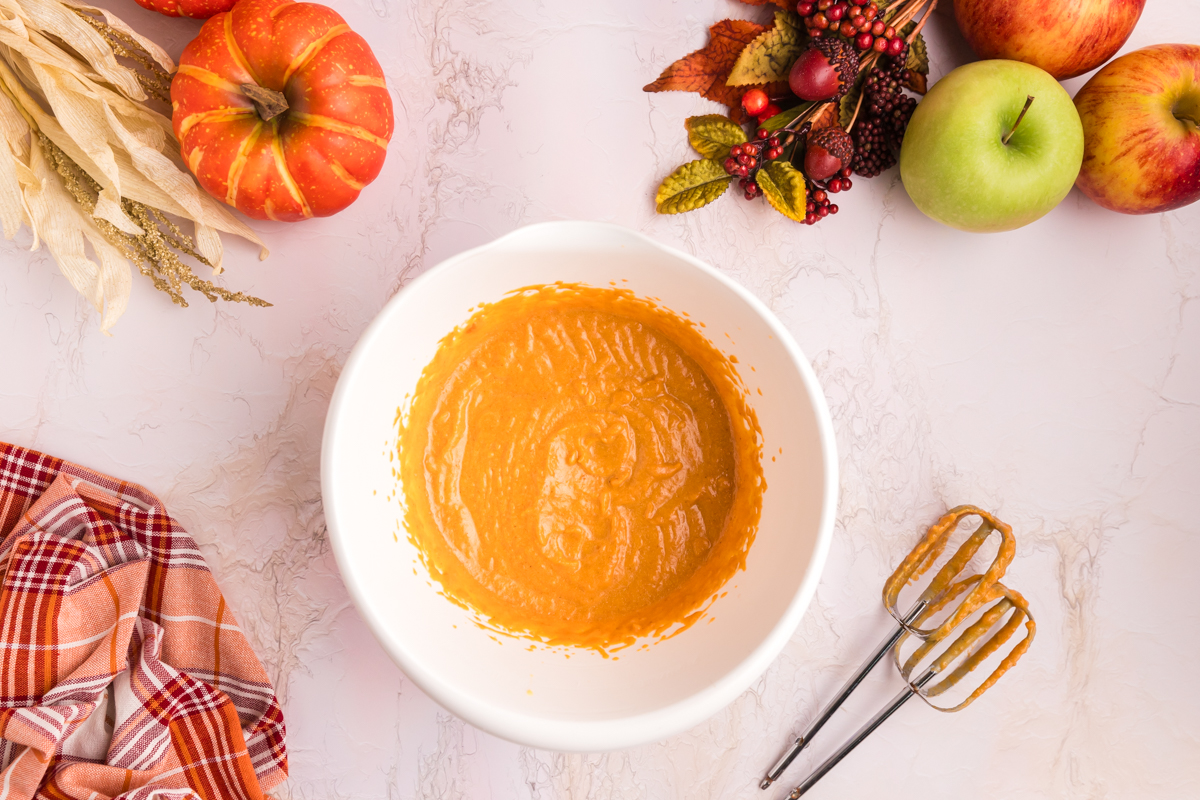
(538, 697)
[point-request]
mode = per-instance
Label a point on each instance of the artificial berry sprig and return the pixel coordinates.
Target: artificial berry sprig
(856, 20)
(820, 205)
(846, 111)
(886, 110)
(746, 159)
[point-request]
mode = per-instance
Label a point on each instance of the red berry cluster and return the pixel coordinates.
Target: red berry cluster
(758, 105)
(819, 204)
(857, 20)
(774, 144)
(745, 160)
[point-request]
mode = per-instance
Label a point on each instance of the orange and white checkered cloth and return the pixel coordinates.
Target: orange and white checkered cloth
(123, 674)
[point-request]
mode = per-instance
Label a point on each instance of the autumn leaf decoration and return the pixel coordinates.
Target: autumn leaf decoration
(918, 65)
(695, 184)
(698, 183)
(712, 135)
(744, 57)
(784, 187)
(769, 58)
(707, 70)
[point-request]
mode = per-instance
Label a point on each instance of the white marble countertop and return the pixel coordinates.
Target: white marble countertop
(1051, 374)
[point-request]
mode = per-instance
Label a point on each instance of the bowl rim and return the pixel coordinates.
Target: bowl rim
(566, 735)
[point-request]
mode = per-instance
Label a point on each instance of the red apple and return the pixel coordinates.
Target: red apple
(1064, 37)
(1141, 130)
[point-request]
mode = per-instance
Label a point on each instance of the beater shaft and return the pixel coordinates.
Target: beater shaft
(891, 708)
(833, 705)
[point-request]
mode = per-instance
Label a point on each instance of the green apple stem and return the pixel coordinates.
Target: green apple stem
(1021, 116)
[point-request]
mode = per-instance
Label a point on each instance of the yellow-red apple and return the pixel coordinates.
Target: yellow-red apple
(1141, 130)
(1064, 37)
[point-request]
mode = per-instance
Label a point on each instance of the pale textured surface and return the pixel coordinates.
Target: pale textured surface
(1051, 374)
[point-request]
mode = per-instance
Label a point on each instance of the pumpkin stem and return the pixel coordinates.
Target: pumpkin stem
(270, 103)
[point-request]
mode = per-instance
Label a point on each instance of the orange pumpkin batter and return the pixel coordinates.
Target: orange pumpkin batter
(581, 466)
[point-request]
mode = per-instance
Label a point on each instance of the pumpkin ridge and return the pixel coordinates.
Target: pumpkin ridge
(208, 77)
(313, 48)
(286, 175)
(236, 52)
(339, 126)
(212, 115)
(344, 175)
(239, 163)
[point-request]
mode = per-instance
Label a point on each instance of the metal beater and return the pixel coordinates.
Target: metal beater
(940, 610)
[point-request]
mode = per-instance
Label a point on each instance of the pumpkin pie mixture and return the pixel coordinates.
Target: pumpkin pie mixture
(581, 466)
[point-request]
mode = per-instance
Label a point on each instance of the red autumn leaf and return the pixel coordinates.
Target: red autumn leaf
(706, 70)
(790, 5)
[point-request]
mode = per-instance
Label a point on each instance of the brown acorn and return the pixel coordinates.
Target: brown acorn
(825, 71)
(829, 151)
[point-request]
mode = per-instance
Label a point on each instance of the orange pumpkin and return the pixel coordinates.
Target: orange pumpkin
(281, 110)
(197, 9)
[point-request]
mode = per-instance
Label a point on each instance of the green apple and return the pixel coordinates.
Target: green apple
(958, 167)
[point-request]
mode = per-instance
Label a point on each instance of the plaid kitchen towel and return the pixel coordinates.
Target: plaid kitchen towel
(123, 674)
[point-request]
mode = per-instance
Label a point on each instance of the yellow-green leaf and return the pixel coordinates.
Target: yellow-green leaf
(695, 184)
(783, 186)
(917, 66)
(918, 56)
(770, 56)
(713, 134)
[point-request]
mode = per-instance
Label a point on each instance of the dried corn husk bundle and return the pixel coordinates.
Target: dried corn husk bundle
(85, 161)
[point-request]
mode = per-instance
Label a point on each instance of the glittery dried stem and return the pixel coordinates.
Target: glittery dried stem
(153, 78)
(156, 251)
